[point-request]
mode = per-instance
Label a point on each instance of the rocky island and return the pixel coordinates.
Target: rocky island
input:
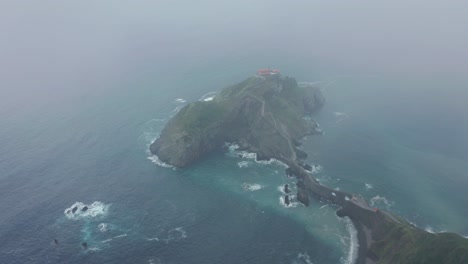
(268, 114)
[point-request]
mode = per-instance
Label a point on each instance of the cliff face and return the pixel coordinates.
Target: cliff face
(261, 114)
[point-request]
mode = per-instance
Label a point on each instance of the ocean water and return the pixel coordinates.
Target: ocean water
(85, 87)
(402, 151)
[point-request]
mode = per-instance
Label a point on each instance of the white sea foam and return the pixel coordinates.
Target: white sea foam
(243, 164)
(316, 169)
(82, 211)
(378, 200)
(208, 97)
(340, 116)
(180, 100)
(154, 261)
(303, 258)
(107, 240)
(253, 156)
(234, 152)
(153, 239)
(292, 202)
(251, 187)
(352, 242)
(102, 227)
(176, 234)
(158, 162)
(429, 229)
(177, 109)
(369, 186)
(122, 235)
(94, 249)
(280, 188)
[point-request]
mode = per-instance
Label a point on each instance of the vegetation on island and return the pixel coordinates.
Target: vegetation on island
(265, 115)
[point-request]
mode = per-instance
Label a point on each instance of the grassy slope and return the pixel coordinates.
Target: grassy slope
(403, 243)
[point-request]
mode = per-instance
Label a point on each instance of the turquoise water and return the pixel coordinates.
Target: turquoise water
(91, 146)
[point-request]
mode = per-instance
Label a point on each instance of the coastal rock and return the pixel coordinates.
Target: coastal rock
(263, 115)
(286, 200)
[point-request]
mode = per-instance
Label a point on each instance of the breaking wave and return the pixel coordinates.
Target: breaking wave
(378, 200)
(234, 152)
(352, 242)
(102, 227)
(316, 169)
(158, 162)
(176, 234)
(243, 164)
(180, 100)
(369, 186)
(303, 258)
(251, 187)
(292, 201)
(208, 97)
(80, 210)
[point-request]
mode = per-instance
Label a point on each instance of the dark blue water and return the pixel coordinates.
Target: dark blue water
(404, 138)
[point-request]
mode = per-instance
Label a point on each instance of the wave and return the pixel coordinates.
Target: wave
(102, 227)
(94, 249)
(107, 240)
(379, 200)
(292, 202)
(316, 169)
(122, 235)
(80, 210)
(243, 164)
(341, 114)
(153, 239)
(154, 261)
(177, 109)
(235, 153)
(369, 186)
(158, 162)
(353, 248)
(208, 96)
(176, 234)
(251, 187)
(303, 258)
(180, 100)
(291, 187)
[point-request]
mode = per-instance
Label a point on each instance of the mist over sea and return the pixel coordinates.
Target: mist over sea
(86, 87)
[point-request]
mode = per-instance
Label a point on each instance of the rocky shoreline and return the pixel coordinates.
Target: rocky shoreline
(264, 115)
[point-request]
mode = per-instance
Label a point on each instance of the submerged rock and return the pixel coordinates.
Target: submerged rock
(84, 209)
(286, 200)
(74, 209)
(286, 188)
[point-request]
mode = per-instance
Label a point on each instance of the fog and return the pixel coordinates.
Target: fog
(87, 44)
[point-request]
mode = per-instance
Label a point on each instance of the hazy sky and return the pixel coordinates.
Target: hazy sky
(49, 43)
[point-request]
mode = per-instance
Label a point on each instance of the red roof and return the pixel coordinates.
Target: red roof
(267, 71)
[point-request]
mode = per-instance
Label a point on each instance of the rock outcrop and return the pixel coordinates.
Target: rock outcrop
(261, 114)
(265, 115)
